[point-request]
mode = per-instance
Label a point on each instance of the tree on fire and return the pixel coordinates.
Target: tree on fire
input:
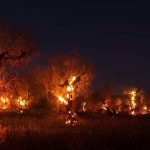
(60, 70)
(16, 47)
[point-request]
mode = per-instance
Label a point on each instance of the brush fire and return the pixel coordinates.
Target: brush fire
(69, 92)
(134, 103)
(65, 82)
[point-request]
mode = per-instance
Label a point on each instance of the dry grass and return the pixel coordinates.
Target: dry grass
(96, 132)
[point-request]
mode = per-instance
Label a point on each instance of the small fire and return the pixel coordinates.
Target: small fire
(104, 107)
(22, 104)
(133, 113)
(62, 100)
(72, 80)
(144, 110)
(4, 103)
(133, 98)
(70, 88)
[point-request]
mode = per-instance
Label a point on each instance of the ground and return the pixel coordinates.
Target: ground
(20, 132)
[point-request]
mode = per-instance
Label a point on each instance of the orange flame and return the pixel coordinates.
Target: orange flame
(4, 103)
(62, 100)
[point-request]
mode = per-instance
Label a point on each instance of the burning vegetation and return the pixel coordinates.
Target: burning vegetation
(64, 82)
(16, 48)
(132, 102)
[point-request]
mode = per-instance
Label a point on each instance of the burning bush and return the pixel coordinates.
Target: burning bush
(66, 77)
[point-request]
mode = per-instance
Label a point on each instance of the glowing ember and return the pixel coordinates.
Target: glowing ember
(72, 119)
(133, 113)
(104, 107)
(84, 107)
(144, 110)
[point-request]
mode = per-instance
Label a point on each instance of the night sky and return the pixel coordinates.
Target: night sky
(116, 37)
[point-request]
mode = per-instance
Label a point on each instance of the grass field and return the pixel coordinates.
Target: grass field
(95, 132)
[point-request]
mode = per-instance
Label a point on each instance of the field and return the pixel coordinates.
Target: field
(95, 132)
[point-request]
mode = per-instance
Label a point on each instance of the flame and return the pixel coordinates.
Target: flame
(21, 102)
(84, 107)
(70, 88)
(72, 80)
(62, 100)
(144, 110)
(133, 98)
(133, 113)
(68, 96)
(4, 102)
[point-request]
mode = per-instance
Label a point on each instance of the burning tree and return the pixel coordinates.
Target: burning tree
(66, 78)
(137, 102)
(16, 47)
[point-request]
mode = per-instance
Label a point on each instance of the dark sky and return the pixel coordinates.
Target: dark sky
(115, 36)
